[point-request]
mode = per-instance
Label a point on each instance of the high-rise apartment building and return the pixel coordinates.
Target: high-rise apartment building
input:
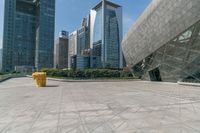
(106, 35)
(61, 51)
(28, 34)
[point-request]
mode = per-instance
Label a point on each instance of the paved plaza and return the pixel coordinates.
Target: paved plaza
(98, 107)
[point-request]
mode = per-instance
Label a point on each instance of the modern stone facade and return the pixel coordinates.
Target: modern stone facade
(28, 34)
(1, 52)
(164, 43)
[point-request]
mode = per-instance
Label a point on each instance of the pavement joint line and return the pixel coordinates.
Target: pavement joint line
(79, 116)
(96, 106)
(11, 122)
(37, 117)
(60, 107)
(109, 119)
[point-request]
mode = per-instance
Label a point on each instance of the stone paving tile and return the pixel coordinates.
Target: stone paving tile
(96, 107)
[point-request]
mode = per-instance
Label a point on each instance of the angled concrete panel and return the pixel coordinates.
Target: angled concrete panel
(162, 21)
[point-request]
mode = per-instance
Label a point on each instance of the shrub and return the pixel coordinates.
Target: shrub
(88, 73)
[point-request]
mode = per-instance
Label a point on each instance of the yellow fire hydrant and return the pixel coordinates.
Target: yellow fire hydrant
(40, 79)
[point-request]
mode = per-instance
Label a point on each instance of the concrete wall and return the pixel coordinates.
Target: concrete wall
(1, 53)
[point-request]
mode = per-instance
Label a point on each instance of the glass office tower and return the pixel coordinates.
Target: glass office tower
(28, 34)
(106, 35)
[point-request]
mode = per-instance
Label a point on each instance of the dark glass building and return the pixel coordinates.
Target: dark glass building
(106, 35)
(28, 34)
(80, 62)
(164, 43)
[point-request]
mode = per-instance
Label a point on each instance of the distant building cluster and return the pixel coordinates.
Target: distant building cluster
(96, 44)
(28, 41)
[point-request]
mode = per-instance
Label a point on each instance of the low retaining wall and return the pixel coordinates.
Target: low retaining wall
(188, 84)
(9, 76)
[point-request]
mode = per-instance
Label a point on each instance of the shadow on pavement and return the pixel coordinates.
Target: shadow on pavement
(52, 85)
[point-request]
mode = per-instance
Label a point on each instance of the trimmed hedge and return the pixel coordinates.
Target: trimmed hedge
(88, 73)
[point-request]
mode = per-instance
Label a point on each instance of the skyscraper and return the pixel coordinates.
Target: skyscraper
(28, 34)
(106, 35)
(61, 51)
(79, 45)
(83, 35)
(72, 47)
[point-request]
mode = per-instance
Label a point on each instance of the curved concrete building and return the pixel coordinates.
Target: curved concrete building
(164, 43)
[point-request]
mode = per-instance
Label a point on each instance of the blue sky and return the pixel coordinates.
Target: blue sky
(69, 13)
